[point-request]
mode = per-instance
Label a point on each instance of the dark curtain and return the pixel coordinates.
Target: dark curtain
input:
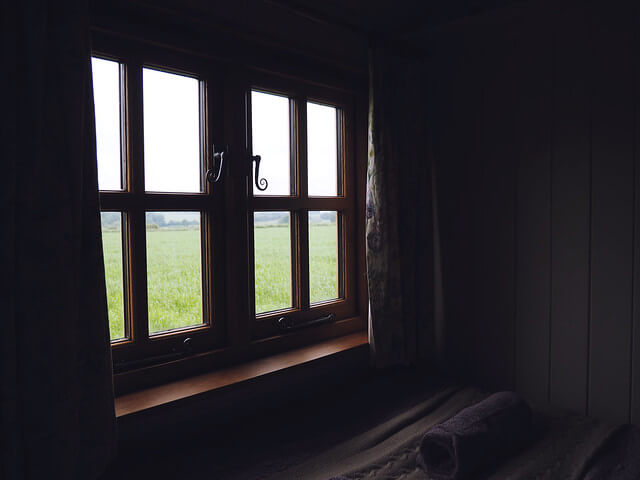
(402, 240)
(56, 395)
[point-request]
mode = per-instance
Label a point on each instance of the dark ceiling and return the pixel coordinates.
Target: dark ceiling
(393, 17)
(399, 17)
(335, 31)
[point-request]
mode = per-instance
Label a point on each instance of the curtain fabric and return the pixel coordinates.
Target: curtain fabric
(400, 226)
(56, 395)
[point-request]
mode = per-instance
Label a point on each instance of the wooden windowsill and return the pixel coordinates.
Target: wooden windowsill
(172, 392)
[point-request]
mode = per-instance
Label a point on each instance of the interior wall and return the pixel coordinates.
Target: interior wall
(536, 133)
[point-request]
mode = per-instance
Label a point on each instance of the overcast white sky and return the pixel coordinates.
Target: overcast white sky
(172, 135)
(107, 107)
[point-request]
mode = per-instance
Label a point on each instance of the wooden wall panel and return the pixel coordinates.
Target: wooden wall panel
(533, 214)
(551, 223)
(494, 325)
(635, 326)
(570, 213)
(611, 212)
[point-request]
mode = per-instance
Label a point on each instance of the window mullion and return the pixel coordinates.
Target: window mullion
(237, 216)
(302, 217)
(208, 216)
(136, 231)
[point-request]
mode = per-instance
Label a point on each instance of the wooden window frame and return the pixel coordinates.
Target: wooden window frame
(236, 334)
(299, 203)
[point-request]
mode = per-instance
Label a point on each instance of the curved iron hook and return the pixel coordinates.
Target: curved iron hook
(215, 174)
(261, 183)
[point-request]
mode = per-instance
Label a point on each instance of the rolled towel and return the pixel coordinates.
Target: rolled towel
(476, 437)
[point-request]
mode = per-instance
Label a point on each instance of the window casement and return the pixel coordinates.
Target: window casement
(311, 195)
(228, 205)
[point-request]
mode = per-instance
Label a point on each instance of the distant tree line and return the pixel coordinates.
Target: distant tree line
(279, 218)
(322, 217)
(111, 220)
(155, 218)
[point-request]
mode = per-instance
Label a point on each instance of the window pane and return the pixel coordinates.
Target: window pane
(106, 98)
(323, 256)
(112, 250)
(322, 150)
(171, 132)
(272, 252)
(174, 271)
(270, 138)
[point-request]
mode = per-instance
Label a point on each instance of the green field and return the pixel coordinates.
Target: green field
(174, 273)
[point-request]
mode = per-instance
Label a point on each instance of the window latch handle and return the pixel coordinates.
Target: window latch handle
(285, 324)
(215, 174)
(261, 183)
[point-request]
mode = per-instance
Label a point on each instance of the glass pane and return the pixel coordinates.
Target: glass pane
(270, 136)
(323, 256)
(106, 98)
(174, 270)
(322, 150)
(112, 250)
(272, 253)
(171, 132)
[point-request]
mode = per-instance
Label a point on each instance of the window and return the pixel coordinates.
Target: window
(299, 213)
(222, 239)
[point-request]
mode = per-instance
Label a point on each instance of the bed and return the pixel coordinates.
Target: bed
(564, 446)
(371, 429)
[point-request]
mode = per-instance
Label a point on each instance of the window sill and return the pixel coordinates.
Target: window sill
(161, 395)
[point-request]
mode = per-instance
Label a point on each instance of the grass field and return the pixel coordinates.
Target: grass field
(174, 273)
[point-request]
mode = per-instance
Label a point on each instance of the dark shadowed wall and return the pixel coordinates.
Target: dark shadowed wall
(536, 141)
(258, 33)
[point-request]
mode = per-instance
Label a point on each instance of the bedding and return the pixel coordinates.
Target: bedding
(619, 458)
(563, 446)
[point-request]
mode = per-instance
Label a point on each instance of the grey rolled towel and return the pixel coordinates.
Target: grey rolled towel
(476, 437)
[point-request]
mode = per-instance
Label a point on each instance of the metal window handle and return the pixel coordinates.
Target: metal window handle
(214, 175)
(261, 183)
(178, 351)
(285, 324)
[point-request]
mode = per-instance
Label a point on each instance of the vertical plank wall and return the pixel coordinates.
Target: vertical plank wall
(571, 212)
(533, 159)
(496, 192)
(611, 213)
(536, 140)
